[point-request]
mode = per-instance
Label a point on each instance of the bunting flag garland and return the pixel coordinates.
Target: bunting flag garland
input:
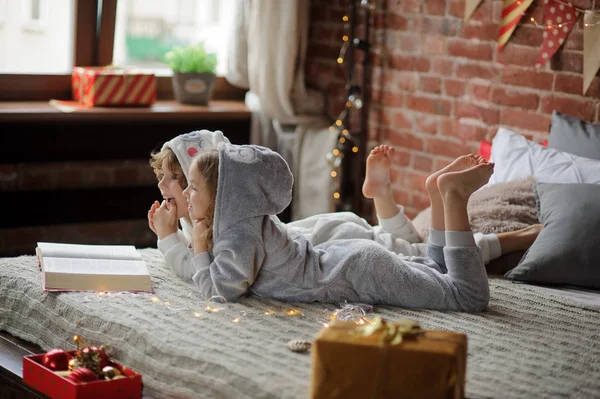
(591, 50)
(470, 7)
(512, 11)
(559, 20)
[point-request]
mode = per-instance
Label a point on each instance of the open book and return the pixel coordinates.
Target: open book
(76, 267)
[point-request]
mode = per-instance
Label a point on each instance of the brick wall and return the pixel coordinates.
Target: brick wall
(444, 86)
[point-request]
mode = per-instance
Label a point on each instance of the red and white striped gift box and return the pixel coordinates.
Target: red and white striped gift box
(110, 86)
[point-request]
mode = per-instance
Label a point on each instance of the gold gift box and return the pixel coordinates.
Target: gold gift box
(387, 360)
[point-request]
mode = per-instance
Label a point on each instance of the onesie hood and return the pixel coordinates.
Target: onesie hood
(187, 146)
(253, 181)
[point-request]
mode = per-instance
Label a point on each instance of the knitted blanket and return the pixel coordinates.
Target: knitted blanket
(527, 344)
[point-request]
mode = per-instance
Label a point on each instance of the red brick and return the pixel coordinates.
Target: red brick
(395, 100)
(430, 84)
(410, 6)
(406, 140)
(515, 98)
(527, 35)
(454, 88)
(37, 179)
(471, 130)
(525, 120)
(485, 32)
(527, 77)
(448, 127)
(401, 197)
(416, 179)
(407, 81)
(449, 148)
(574, 40)
(407, 63)
(480, 91)
(402, 120)
(573, 84)
(456, 8)
(567, 61)
(396, 22)
(512, 54)
(326, 33)
(9, 177)
(582, 107)
(420, 201)
(429, 105)
(432, 25)
(71, 178)
(484, 13)
(426, 124)
(469, 110)
(435, 7)
(442, 66)
(470, 70)
(471, 49)
(423, 163)
(401, 157)
(409, 42)
(434, 45)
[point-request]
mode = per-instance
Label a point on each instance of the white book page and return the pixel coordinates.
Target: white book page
(57, 250)
(95, 266)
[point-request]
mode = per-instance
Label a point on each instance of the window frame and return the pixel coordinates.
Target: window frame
(89, 50)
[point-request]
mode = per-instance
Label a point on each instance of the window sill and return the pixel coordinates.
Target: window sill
(42, 111)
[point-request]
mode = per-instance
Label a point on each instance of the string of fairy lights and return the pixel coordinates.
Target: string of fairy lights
(217, 304)
(345, 137)
(561, 24)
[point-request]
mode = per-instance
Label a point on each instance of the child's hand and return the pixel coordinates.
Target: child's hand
(164, 219)
(200, 232)
(153, 209)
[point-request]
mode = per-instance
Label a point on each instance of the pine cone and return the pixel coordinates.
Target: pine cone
(298, 346)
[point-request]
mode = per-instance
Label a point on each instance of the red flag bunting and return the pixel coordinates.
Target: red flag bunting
(559, 19)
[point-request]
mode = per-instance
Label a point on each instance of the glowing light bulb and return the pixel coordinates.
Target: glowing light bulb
(236, 320)
(333, 174)
(340, 60)
(336, 152)
(345, 38)
(336, 195)
(342, 140)
(338, 122)
(345, 18)
(355, 149)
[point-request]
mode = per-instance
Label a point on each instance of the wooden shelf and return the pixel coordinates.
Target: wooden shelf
(41, 111)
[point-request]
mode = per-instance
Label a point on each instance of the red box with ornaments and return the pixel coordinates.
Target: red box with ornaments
(80, 383)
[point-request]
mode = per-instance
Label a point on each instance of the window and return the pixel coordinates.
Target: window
(146, 29)
(35, 38)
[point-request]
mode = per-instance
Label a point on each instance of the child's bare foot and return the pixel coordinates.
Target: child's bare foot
(377, 175)
(458, 186)
(519, 240)
(461, 163)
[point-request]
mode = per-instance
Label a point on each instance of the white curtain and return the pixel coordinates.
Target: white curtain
(266, 55)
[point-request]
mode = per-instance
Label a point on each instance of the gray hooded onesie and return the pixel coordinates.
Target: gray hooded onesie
(253, 253)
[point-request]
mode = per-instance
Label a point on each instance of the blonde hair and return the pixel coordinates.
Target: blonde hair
(157, 159)
(207, 162)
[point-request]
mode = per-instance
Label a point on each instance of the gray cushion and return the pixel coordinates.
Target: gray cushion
(567, 251)
(576, 136)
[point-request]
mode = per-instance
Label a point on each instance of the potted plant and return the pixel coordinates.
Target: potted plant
(193, 73)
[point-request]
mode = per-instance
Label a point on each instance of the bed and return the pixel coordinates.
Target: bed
(529, 343)
(532, 341)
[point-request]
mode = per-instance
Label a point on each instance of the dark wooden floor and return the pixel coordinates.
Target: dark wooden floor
(12, 350)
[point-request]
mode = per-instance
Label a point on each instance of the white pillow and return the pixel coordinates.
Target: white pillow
(517, 158)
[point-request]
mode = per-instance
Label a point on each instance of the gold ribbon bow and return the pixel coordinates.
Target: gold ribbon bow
(391, 333)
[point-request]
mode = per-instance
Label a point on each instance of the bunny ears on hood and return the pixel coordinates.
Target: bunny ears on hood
(186, 146)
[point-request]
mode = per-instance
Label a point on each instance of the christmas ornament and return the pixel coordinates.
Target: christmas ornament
(512, 11)
(110, 372)
(559, 20)
(102, 354)
(56, 359)
(298, 346)
(83, 374)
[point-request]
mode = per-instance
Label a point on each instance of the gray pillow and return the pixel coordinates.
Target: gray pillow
(567, 251)
(571, 134)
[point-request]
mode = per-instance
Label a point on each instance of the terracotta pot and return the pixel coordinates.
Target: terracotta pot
(193, 88)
